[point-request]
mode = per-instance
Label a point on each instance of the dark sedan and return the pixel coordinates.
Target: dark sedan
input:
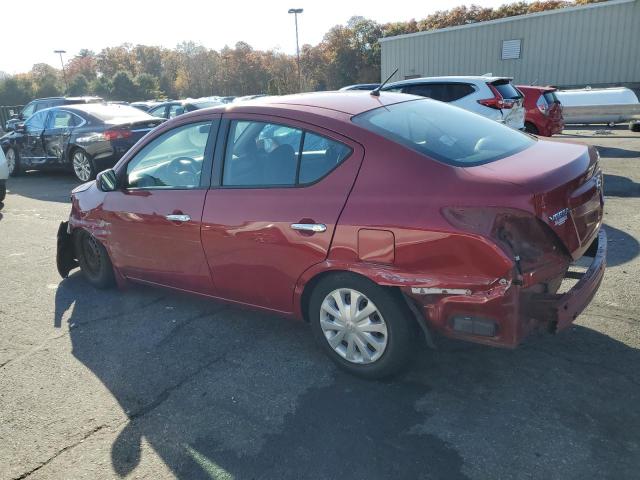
(82, 138)
(175, 108)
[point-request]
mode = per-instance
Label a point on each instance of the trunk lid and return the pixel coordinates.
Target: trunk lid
(140, 128)
(565, 182)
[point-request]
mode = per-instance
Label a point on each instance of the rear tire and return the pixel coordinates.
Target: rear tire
(371, 345)
(531, 128)
(634, 126)
(93, 260)
(13, 162)
(3, 190)
(82, 165)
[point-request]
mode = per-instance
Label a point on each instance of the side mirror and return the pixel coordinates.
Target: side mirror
(107, 181)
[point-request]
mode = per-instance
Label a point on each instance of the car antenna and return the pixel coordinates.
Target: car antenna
(376, 91)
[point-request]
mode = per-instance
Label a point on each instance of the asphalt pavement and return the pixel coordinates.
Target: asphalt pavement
(148, 383)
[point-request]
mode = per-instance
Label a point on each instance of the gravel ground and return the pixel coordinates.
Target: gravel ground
(147, 383)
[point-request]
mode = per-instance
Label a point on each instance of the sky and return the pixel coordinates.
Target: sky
(94, 24)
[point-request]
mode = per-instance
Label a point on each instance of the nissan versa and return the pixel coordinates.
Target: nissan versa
(373, 218)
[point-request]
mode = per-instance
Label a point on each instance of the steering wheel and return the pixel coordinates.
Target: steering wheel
(184, 170)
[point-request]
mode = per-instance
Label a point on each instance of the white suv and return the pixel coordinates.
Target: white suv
(492, 97)
(4, 174)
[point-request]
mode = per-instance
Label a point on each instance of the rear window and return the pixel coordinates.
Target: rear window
(507, 90)
(108, 113)
(550, 97)
(443, 132)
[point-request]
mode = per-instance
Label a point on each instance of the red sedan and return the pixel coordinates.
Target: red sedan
(371, 218)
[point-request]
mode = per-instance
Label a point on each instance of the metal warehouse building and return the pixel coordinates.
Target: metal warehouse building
(596, 44)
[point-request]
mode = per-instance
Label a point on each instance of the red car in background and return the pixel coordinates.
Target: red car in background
(543, 111)
(370, 217)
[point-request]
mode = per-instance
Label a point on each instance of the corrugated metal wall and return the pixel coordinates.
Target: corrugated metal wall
(594, 45)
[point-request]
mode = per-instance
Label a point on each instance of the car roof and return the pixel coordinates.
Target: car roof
(351, 102)
(458, 79)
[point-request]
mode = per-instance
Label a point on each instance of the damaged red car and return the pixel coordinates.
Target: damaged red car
(379, 220)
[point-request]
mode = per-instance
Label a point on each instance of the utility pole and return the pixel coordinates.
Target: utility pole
(64, 74)
(295, 12)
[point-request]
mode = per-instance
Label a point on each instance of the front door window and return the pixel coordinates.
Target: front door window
(173, 160)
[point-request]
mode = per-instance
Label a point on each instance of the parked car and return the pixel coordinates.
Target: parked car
(543, 111)
(599, 105)
(82, 138)
(492, 97)
(360, 86)
(145, 106)
(4, 175)
(388, 216)
(178, 107)
(42, 103)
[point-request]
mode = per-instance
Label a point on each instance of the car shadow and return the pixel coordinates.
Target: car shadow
(50, 186)
(615, 152)
(621, 247)
(220, 392)
(619, 186)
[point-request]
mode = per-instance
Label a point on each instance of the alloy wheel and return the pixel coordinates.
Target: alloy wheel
(11, 160)
(353, 326)
(82, 166)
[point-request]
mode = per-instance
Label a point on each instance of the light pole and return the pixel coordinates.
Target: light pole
(64, 74)
(295, 12)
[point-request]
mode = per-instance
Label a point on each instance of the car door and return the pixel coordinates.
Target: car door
(278, 190)
(57, 132)
(154, 218)
(32, 148)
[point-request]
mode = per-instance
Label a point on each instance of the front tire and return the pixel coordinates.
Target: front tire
(13, 162)
(3, 190)
(364, 328)
(82, 166)
(94, 260)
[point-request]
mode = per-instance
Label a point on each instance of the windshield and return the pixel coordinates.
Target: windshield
(444, 132)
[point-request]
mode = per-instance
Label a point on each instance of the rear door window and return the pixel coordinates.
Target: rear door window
(320, 155)
(437, 91)
(261, 154)
(264, 154)
(456, 91)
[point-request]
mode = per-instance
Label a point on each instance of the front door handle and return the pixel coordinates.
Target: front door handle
(178, 217)
(309, 227)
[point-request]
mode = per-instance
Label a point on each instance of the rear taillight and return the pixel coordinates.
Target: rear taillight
(116, 134)
(496, 101)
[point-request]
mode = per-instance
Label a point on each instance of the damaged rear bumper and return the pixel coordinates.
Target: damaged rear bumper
(65, 255)
(559, 311)
(506, 314)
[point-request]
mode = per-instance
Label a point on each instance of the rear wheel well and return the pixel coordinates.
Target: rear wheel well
(311, 284)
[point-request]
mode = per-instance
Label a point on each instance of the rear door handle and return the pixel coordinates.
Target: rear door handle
(309, 227)
(174, 217)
